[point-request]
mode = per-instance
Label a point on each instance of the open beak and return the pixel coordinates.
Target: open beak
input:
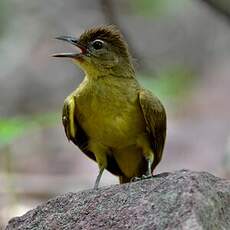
(73, 41)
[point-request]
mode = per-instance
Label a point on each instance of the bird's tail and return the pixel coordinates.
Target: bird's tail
(124, 179)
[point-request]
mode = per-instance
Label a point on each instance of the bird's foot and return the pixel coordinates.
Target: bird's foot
(135, 179)
(143, 177)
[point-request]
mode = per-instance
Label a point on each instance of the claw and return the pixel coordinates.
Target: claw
(143, 177)
(135, 179)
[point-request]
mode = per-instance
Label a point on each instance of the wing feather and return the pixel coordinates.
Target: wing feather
(155, 118)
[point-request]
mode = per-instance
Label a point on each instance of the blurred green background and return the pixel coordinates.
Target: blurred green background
(181, 51)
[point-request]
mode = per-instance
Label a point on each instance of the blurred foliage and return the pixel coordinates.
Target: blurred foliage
(156, 7)
(148, 7)
(12, 128)
(4, 15)
(171, 84)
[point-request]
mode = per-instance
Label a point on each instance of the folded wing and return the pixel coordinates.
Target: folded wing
(155, 118)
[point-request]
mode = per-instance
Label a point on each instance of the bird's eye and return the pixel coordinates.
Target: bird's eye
(97, 44)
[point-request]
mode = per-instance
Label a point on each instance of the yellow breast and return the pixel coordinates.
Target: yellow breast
(110, 116)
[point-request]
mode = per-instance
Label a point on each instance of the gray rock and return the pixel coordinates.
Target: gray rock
(178, 200)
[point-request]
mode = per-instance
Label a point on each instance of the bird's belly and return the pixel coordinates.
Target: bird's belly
(119, 134)
(130, 160)
(113, 129)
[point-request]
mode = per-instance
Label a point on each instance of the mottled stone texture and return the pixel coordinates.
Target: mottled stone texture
(178, 200)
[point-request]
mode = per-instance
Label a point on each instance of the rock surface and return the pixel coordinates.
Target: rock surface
(178, 200)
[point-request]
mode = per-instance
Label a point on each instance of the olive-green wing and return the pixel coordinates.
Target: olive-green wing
(72, 128)
(77, 135)
(155, 118)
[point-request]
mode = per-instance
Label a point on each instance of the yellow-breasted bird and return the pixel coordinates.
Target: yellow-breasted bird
(110, 117)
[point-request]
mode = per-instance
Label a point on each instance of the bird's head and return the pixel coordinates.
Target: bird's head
(103, 51)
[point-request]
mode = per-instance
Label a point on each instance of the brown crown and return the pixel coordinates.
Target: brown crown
(109, 34)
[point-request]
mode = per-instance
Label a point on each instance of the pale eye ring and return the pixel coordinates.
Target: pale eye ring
(97, 44)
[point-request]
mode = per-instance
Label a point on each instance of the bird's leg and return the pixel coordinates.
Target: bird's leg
(99, 151)
(148, 173)
(143, 142)
(98, 178)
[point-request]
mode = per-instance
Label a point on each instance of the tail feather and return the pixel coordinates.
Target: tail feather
(124, 179)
